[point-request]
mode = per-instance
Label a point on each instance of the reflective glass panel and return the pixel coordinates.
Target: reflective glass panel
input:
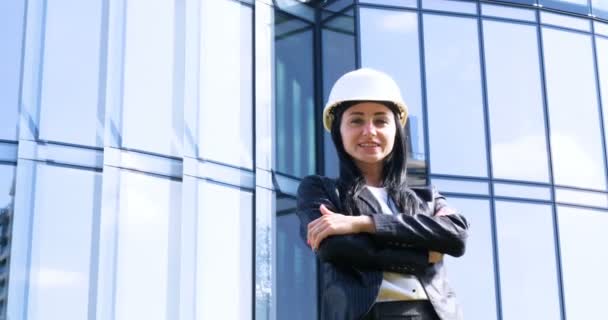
(525, 233)
(226, 83)
(585, 198)
(224, 253)
(152, 121)
(583, 238)
(7, 182)
(600, 8)
(396, 3)
(264, 252)
(600, 28)
(389, 43)
(145, 246)
(65, 201)
(454, 97)
(70, 92)
(508, 12)
(11, 33)
(295, 118)
(449, 5)
(296, 266)
(515, 102)
(528, 2)
(601, 47)
(571, 90)
(338, 58)
(522, 191)
(461, 186)
(577, 6)
(478, 297)
(566, 21)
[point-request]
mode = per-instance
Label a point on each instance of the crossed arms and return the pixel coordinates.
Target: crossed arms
(398, 242)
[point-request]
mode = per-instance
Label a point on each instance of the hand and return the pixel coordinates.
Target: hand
(435, 256)
(332, 223)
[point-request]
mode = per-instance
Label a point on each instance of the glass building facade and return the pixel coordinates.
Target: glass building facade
(150, 151)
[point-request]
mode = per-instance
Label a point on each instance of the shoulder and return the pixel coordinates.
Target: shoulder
(316, 182)
(426, 193)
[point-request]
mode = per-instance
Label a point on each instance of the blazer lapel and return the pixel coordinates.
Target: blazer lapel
(366, 200)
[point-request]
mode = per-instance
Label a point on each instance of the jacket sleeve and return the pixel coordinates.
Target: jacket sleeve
(356, 250)
(445, 230)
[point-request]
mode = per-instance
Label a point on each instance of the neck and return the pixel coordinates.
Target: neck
(372, 172)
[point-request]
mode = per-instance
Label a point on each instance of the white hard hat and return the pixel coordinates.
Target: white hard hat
(364, 85)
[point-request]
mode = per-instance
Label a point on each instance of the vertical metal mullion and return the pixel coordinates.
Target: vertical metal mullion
(599, 100)
(317, 113)
(357, 20)
(486, 112)
(425, 113)
(550, 164)
(254, 162)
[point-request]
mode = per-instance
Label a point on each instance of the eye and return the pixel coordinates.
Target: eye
(356, 121)
(382, 121)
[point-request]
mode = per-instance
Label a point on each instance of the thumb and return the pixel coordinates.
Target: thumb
(324, 210)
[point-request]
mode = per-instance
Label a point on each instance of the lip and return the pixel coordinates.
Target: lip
(368, 144)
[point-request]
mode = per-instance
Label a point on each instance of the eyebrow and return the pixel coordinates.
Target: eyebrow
(361, 113)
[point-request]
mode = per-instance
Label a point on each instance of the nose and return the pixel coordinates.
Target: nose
(369, 129)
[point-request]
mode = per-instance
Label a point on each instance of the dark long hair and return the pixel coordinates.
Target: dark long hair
(394, 173)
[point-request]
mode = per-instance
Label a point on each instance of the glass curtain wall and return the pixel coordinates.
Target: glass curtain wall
(113, 126)
(150, 152)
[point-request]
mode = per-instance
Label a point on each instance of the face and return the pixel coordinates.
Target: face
(368, 132)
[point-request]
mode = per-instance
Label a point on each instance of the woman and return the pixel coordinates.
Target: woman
(380, 242)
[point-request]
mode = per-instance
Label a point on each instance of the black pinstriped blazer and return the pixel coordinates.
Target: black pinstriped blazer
(352, 265)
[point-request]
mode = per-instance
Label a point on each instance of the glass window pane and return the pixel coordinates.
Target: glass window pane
(528, 2)
(508, 12)
(294, 113)
(565, 21)
(601, 47)
(448, 5)
(7, 181)
(600, 8)
(226, 83)
(461, 186)
(145, 208)
(389, 42)
(515, 102)
(11, 33)
(454, 97)
(152, 121)
(224, 285)
(338, 58)
(577, 6)
(522, 191)
(525, 234)
(600, 28)
(583, 238)
(70, 98)
(396, 3)
(585, 198)
(296, 266)
(264, 252)
(65, 201)
(7, 194)
(478, 298)
(571, 90)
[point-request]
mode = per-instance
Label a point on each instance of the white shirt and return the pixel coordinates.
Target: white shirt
(395, 286)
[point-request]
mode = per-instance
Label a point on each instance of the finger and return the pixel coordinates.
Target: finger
(445, 211)
(319, 235)
(324, 210)
(312, 233)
